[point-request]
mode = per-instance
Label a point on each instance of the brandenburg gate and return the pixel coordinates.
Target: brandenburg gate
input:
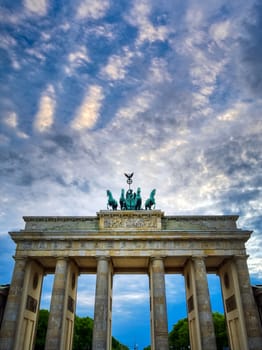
(130, 240)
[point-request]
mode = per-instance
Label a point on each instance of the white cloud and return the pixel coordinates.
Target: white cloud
(139, 17)
(79, 55)
(88, 113)
(194, 16)
(138, 104)
(205, 70)
(44, 117)
(11, 120)
(92, 9)
(35, 52)
(85, 300)
(158, 71)
(116, 65)
(7, 41)
(219, 182)
(238, 112)
(38, 7)
(4, 139)
(76, 59)
(220, 31)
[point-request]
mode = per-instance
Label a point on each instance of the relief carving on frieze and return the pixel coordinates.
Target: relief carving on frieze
(129, 222)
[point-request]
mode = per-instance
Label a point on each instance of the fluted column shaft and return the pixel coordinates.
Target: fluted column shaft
(206, 326)
(251, 316)
(12, 312)
(101, 330)
(158, 305)
(54, 334)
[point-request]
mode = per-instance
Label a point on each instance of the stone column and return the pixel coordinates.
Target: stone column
(13, 307)
(233, 306)
(251, 316)
(200, 321)
(159, 330)
(54, 335)
(102, 323)
(207, 332)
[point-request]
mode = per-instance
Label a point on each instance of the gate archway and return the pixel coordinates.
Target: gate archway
(128, 241)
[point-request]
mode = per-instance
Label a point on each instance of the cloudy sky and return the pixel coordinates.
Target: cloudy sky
(169, 89)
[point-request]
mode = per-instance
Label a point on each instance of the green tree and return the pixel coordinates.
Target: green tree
(83, 332)
(118, 346)
(179, 336)
(41, 329)
(220, 330)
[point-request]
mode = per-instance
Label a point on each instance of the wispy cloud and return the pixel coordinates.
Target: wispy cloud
(158, 71)
(250, 50)
(116, 67)
(76, 59)
(93, 89)
(139, 16)
(38, 7)
(88, 112)
(92, 9)
(45, 116)
(11, 120)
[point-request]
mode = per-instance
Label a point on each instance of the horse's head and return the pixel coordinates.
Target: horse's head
(153, 192)
(108, 192)
(138, 190)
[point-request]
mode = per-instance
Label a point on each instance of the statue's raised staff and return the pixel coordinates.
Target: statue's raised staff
(151, 200)
(111, 201)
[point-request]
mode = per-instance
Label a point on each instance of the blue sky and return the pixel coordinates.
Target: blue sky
(168, 89)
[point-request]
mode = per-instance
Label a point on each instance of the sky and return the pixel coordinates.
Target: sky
(168, 89)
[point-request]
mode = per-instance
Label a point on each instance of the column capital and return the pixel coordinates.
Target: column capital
(240, 256)
(58, 257)
(198, 257)
(155, 257)
(20, 258)
(103, 257)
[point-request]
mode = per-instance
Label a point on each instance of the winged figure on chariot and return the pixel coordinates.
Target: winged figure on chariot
(130, 200)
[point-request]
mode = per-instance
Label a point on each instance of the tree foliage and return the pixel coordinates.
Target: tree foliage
(41, 329)
(83, 332)
(118, 346)
(179, 336)
(220, 330)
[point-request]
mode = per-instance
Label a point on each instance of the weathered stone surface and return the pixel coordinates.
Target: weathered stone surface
(130, 220)
(206, 223)
(11, 316)
(251, 316)
(207, 332)
(158, 302)
(60, 223)
(129, 239)
(54, 331)
(101, 339)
